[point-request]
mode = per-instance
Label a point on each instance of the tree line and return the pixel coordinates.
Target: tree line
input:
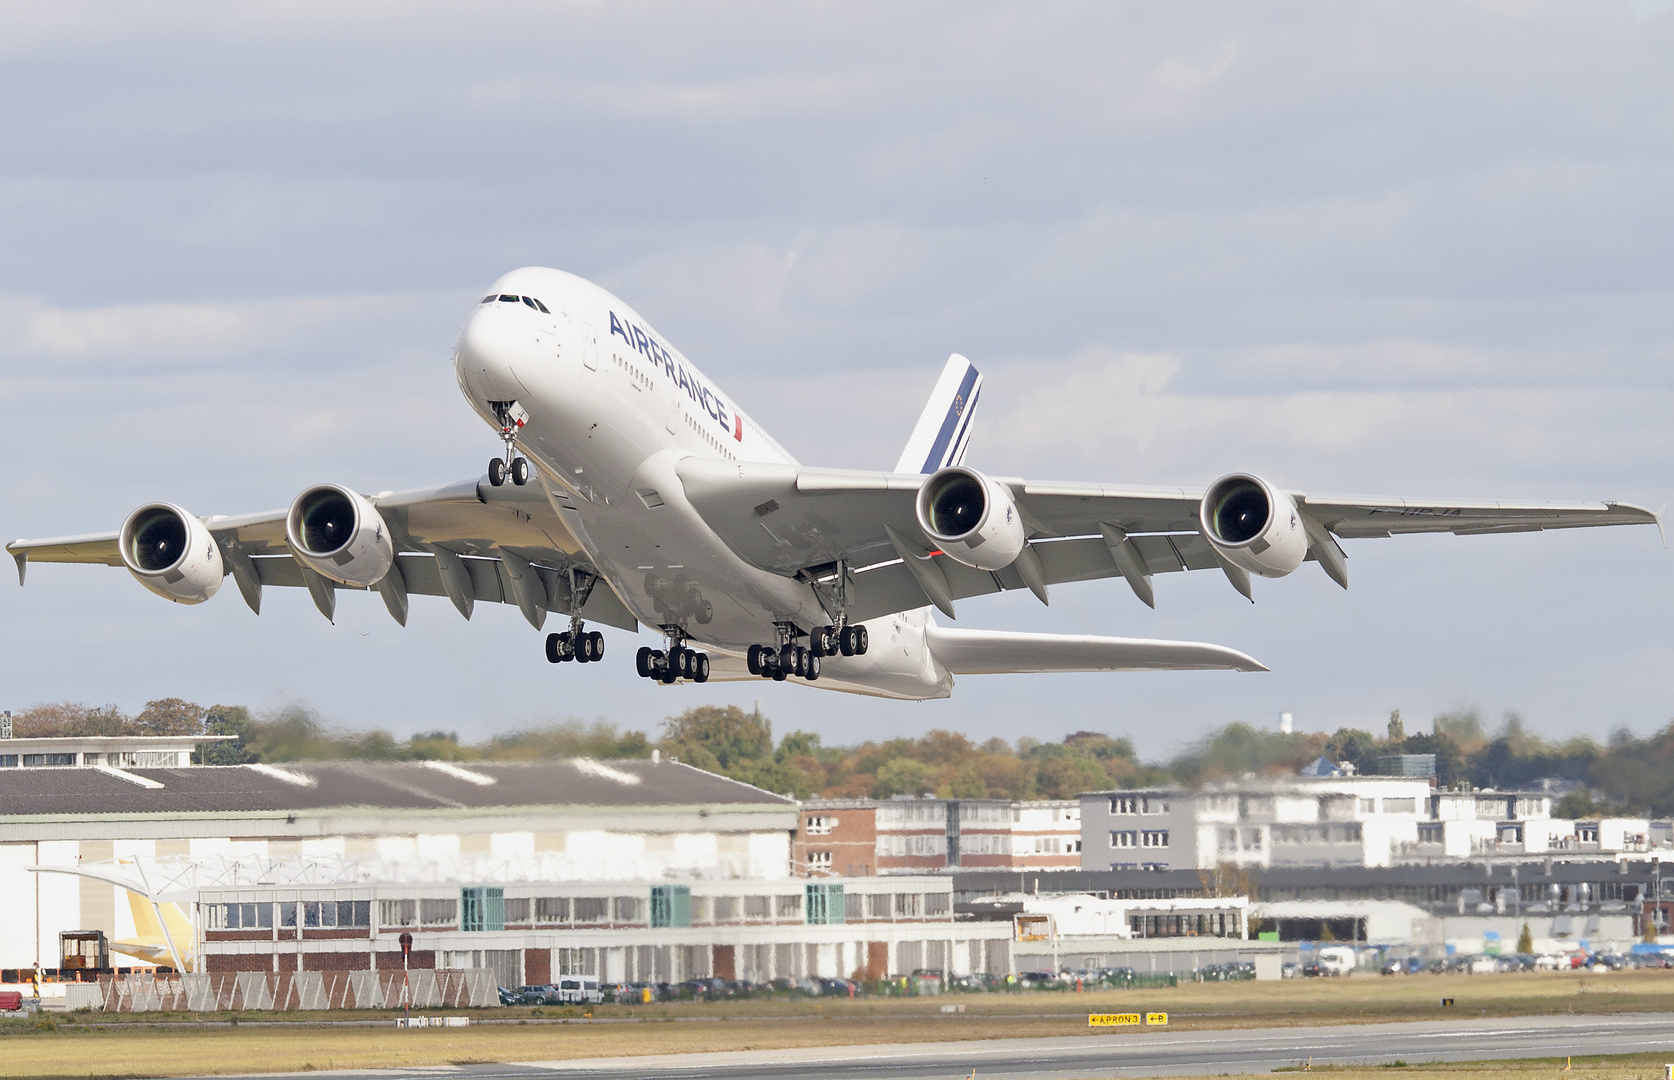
(1624, 775)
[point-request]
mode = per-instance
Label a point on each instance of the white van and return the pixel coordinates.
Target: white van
(1335, 959)
(579, 990)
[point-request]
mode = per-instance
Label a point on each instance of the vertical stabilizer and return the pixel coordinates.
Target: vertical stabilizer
(944, 428)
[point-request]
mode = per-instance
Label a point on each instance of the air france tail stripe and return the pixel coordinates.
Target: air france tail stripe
(958, 414)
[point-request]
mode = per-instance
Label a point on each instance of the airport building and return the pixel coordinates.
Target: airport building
(907, 835)
(1333, 818)
(634, 871)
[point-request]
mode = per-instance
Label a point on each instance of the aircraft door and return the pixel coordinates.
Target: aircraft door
(589, 347)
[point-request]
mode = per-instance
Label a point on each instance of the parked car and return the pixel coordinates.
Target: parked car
(577, 990)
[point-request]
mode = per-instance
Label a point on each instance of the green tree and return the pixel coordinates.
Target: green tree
(1397, 730)
(231, 720)
(170, 716)
(966, 784)
(1525, 941)
(903, 776)
(722, 739)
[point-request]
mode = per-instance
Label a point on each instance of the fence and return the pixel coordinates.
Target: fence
(303, 990)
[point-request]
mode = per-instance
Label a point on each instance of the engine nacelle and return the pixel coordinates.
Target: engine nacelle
(1253, 525)
(973, 519)
(171, 553)
(340, 533)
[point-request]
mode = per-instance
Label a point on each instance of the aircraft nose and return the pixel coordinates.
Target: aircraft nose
(487, 352)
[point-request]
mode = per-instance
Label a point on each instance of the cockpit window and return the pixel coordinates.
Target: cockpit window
(489, 299)
(528, 301)
(505, 299)
(541, 306)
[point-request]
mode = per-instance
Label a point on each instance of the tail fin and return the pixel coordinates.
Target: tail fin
(944, 428)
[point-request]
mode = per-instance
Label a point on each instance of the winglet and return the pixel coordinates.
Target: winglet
(943, 431)
(22, 557)
(1662, 535)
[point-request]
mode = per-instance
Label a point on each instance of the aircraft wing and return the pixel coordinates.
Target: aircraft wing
(467, 541)
(802, 522)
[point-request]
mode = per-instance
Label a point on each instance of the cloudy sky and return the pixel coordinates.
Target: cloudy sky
(1404, 249)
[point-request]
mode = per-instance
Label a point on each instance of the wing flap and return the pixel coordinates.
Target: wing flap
(997, 652)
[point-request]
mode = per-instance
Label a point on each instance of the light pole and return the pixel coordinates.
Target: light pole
(406, 940)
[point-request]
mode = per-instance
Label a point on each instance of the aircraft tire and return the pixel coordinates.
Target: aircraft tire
(642, 662)
(845, 641)
(496, 472)
(813, 671)
(597, 640)
(778, 674)
(752, 659)
(702, 673)
(862, 641)
(520, 471)
(787, 661)
(555, 648)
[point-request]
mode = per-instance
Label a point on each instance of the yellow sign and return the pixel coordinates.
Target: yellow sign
(1155, 1019)
(1113, 1019)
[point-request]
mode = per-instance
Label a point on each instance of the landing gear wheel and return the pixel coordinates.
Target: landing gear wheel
(823, 642)
(802, 659)
(701, 674)
(496, 471)
(519, 471)
(642, 662)
(787, 661)
(584, 648)
(862, 641)
(778, 674)
(845, 641)
(557, 648)
(813, 668)
(669, 674)
(595, 645)
(752, 659)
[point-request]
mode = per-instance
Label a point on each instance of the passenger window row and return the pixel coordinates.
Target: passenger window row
(507, 298)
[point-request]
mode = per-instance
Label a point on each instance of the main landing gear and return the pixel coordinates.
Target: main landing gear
(511, 418)
(679, 662)
(788, 658)
(582, 646)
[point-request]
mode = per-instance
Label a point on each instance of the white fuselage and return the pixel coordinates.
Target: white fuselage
(612, 406)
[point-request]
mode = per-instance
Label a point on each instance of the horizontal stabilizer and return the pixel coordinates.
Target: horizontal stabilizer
(997, 652)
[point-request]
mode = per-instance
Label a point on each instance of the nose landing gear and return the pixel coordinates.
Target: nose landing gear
(511, 417)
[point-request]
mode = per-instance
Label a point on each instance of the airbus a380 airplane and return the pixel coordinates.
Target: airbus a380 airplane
(634, 491)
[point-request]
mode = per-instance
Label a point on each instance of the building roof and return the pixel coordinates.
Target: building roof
(336, 786)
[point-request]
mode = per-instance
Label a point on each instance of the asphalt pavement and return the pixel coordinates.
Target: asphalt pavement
(1115, 1053)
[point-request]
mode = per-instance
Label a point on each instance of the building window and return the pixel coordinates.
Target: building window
(819, 862)
(936, 904)
(1431, 834)
(908, 905)
(8, 761)
(1046, 845)
(517, 911)
(826, 905)
(438, 912)
(1154, 838)
(591, 909)
(1123, 839)
(240, 917)
(819, 825)
(726, 908)
(1124, 804)
(397, 913)
(326, 914)
(758, 907)
(629, 909)
(552, 909)
(1368, 806)
(1073, 846)
(788, 907)
(1151, 804)
(482, 908)
(37, 761)
(671, 905)
(877, 906)
(1400, 806)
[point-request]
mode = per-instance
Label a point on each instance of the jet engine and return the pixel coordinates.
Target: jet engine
(972, 518)
(171, 553)
(1253, 525)
(340, 534)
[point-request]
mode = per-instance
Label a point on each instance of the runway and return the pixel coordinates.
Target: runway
(1155, 1052)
